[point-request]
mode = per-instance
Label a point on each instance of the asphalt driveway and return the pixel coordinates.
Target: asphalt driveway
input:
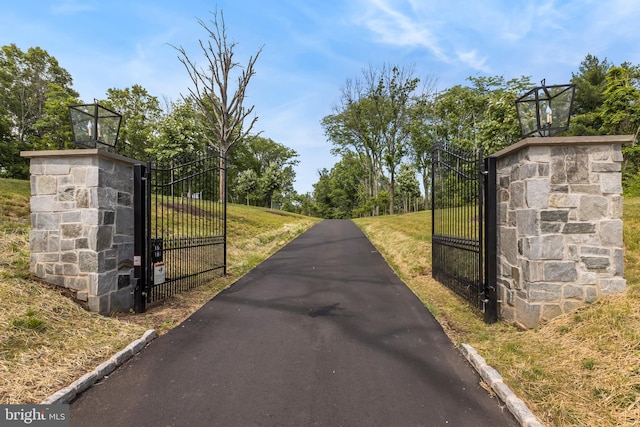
(321, 334)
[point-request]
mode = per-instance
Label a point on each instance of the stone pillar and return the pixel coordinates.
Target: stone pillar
(559, 225)
(82, 225)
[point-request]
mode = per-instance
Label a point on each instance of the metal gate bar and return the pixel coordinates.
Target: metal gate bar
(458, 225)
(182, 225)
(491, 240)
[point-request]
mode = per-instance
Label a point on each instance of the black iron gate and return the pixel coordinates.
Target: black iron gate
(463, 219)
(181, 231)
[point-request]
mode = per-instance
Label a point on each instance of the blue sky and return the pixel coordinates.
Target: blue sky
(310, 48)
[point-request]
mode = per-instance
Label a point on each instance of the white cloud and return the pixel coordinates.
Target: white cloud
(472, 60)
(394, 27)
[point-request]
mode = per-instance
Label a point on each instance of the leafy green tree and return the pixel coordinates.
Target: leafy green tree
(621, 106)
(499, 126)
(272, 181)
(392, 100)
(352, 128)
(141, 115)
(24, 80)
(341, 192)
(54, 127)
(350, 187)
(286, 190)
(457, 111)
(322, 194)
(179, 141)
(480, 116)
(423, 136)
(259, 155)
(31, 84)
(247, 184)
(591, 82)
(180, 134)
(620, 113)
(5, 128)
(373, 119)
(408, 186)
(383, 200)
(11, 164)
(301, 204)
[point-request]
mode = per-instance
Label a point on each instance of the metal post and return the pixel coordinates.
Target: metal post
(491, 241)
(481, 191)
(140, 240)
(146, 226)
(434, 159)
(224, 215)
(95, 124)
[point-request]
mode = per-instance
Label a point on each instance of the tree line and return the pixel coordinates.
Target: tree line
(382, 128)
(35, 92)
(386, 121)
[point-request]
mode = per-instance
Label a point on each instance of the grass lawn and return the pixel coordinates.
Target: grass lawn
(581, 369)
(47, 341)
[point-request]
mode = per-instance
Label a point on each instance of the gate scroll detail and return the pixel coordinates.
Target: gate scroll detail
(462, 230)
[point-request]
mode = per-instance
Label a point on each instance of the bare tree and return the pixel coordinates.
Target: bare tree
(221, 105)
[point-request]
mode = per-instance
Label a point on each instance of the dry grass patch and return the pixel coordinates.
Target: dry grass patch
(582, 369)
(14, 203)
(47, 341)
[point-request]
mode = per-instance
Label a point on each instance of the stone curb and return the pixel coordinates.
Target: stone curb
(67, 394)
(494, 380)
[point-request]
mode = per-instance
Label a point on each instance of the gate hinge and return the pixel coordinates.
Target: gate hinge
(484, 304)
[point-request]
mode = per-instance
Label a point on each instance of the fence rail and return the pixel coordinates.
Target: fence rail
(458, 225)
(183, 226)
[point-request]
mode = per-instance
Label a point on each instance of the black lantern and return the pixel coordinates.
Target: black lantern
(545, 110)
(94, 126)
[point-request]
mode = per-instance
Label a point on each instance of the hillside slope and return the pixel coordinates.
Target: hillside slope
(47, 341)
(581, 369)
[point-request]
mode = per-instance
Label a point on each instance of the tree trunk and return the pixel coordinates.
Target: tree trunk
(426, 183)
(392, 193)
(222, 196)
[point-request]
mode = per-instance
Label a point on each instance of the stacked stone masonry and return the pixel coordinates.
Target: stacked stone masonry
(559, 227)
(82, 220)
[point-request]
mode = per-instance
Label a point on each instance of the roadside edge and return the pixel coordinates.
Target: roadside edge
(493, 379)
(68, 393)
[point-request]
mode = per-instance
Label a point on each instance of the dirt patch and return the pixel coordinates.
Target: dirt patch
(62, 291)
(190, 209)
(279, 213)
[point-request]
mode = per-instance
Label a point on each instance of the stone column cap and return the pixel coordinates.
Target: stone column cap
(81, 152)
(559, 141)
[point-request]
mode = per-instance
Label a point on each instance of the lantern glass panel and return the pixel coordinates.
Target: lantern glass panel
(545, 110)
(94, 126)
(81, 121)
